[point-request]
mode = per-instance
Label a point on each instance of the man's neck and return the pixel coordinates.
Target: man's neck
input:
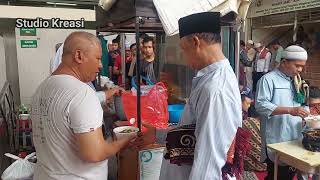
(64, 69)
(283, 70)
(149, 58)
(212, 54)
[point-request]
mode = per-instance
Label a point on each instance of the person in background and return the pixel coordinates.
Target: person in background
(251, 52)
(115, 44)
(132, 69)
(131, 57)
(115, 63)
(261, 63)
(141, 38)
(278, 54)
(247, 100)
(314, 100)
(244, 62)
(214, 105)
(54, 63)
(117, 68)
(281, 116)
(109, 46)
(67, 117)
(148, 63)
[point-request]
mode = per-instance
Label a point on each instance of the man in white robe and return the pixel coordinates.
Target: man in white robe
(214, 104)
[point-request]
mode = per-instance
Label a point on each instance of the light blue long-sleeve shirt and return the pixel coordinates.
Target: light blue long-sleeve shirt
(275, 89)
(215, 107)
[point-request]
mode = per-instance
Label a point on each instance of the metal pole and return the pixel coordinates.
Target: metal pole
(237, 54)
(138, 70)
(295, 27)
(123, 59)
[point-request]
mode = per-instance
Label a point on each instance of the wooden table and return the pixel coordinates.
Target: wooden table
(293, 154)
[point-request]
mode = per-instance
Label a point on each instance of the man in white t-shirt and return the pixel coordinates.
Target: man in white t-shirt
(67, 117)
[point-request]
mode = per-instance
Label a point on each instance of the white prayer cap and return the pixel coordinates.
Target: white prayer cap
(257, 45)
(127, 45)
(250, 42)
(295, 52)
(109, 41)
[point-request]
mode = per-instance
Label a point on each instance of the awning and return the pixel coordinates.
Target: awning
(163, 15)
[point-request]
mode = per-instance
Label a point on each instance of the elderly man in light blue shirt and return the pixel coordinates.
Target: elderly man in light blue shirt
(281, 116)
(214, 105)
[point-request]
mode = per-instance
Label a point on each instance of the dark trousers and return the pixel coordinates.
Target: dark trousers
(255, 78)
(284, 172)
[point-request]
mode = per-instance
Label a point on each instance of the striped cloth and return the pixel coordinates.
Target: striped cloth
(148, 70)
(252, 160)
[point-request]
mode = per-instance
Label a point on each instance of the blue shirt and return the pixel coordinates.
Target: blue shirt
(214, 106)
(275, 89)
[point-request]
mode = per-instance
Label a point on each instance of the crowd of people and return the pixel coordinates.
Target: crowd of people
(147, 55)
(256, 60)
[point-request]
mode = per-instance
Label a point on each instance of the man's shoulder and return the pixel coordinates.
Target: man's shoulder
(221, 83)
(270, 77)
(64, 83)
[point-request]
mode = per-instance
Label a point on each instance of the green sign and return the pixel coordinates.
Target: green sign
(29, 44)
(28, 31)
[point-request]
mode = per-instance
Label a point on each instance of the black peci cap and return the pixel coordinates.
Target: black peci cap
(208, 22)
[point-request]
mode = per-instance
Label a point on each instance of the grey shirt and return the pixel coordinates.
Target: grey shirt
(148, 70)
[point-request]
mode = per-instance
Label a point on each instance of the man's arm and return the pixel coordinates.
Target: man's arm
(85, 116)
(267, 63)
(93, 147)
(103, 96)
(294, 111)
(264, 94)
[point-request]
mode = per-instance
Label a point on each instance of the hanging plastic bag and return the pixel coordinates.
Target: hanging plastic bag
(154, 106)
(21, 169)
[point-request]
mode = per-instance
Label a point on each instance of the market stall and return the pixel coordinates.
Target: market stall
(139, 16)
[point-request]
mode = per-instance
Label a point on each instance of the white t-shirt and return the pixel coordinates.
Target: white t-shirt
(61, 107)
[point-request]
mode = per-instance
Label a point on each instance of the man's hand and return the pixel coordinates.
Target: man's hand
(146, 138)
(298, 111)
(114, 92)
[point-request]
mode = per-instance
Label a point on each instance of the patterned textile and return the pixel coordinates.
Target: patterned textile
(241, 148)
(315, 109)
(252, 160)
(180, 145)
(249, 176)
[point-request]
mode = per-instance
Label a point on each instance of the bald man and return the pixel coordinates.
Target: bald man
(67, 117)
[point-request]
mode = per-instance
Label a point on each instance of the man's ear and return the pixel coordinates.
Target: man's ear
(78, 56)
(195, 41)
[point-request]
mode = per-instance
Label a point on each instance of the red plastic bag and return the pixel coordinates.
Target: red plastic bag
(154, 106)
